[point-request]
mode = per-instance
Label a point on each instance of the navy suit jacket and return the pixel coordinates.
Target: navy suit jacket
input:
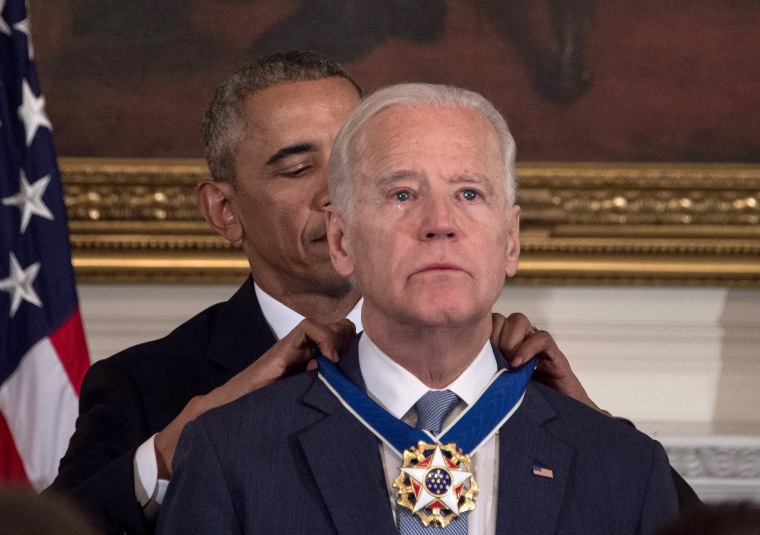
(132, 395)
(290, 458)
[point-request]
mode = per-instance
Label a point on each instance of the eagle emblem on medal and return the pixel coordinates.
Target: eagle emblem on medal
(436, 483)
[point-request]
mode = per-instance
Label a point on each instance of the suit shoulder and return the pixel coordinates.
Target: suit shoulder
(170, 354)
(604, 446)
(281, 400)
(193, 333)
(262, 421)
(148, 366)
(583, 424)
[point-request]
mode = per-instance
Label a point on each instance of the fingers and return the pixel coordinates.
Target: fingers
(290, 355)
(293, 353)
(498, 322)
(519, 341)
(331, 339)
(542, 345)
(509, 334)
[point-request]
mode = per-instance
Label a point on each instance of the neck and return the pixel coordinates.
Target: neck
(319, 307)
(319, 304)
(435, 355)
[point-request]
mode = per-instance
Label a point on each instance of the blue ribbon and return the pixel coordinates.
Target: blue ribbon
(478, 422)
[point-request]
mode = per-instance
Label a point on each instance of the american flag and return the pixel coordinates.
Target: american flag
(43, 354)
(542, 471)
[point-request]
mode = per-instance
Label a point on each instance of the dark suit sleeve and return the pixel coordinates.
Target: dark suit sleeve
(687, 498)
(97, 471)
(661, 500)
(198, 500)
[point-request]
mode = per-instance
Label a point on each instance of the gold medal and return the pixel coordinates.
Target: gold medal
(436, 483)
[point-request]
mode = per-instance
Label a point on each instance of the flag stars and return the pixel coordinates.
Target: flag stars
(438, 481)
(20, 284)
(32, 112)
(3, 25)
(23, 27)
(29, 200)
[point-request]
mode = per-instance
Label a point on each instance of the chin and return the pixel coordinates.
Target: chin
(335, 286)
(451, 316)
(449, 307)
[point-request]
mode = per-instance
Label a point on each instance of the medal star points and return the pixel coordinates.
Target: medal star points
(437, 483)
(433, 485)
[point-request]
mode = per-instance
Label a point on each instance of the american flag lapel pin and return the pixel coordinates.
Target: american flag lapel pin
(542, 471)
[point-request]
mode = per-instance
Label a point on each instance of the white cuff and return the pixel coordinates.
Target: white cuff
(149, 490)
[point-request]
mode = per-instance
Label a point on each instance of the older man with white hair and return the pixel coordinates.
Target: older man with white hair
(421, 428)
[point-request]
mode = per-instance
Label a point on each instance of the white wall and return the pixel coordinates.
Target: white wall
(657, 355)
(683, 363)
(118, 316)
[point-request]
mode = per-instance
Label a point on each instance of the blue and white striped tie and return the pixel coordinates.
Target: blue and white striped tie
(432, 409)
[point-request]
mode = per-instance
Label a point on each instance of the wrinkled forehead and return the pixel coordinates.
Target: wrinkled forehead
(437, 131)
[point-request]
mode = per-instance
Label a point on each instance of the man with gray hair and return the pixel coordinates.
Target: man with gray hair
(421, 428)
(268, 132)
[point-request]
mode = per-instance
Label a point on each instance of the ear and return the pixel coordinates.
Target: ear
(214, 200)
(513, 242)
(341, 253)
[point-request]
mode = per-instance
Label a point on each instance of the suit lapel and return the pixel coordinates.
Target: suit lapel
(241, 334)
(344, 458)
(530, 503)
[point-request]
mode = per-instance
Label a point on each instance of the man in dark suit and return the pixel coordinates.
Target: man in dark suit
(268, 132)
(423, 222)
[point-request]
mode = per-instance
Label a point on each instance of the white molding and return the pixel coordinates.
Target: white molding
(719, 468)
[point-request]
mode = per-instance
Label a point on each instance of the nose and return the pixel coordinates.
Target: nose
(321, 199)
(438, 220)
(324, 200)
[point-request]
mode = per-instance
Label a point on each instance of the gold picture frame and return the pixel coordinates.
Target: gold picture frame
(135, 221)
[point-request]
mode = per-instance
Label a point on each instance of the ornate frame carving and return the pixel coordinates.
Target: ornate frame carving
(135, 221)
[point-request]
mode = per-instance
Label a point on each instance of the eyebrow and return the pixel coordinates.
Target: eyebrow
(292, 150)
(472, 179)
(397, 176)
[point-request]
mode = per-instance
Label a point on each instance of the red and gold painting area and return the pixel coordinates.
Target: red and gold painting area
(578, 80)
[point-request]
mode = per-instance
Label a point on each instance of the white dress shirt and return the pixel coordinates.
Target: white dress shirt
(150, 490)
(397, 390)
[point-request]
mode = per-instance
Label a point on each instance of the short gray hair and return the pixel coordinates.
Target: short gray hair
(224, 120)
(344, 152)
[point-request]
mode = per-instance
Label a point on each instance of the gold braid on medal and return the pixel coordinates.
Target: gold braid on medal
(407, 497)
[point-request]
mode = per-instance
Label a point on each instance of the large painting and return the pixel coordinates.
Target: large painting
(578, 80)
(637, 122)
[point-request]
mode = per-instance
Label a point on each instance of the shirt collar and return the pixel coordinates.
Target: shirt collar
(282, 319)
(397, 390)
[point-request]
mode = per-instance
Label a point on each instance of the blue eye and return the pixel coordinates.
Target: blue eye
(402, 196)
(470, 194)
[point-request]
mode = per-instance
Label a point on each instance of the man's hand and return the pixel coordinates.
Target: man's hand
(519, 341)
(296, 352)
